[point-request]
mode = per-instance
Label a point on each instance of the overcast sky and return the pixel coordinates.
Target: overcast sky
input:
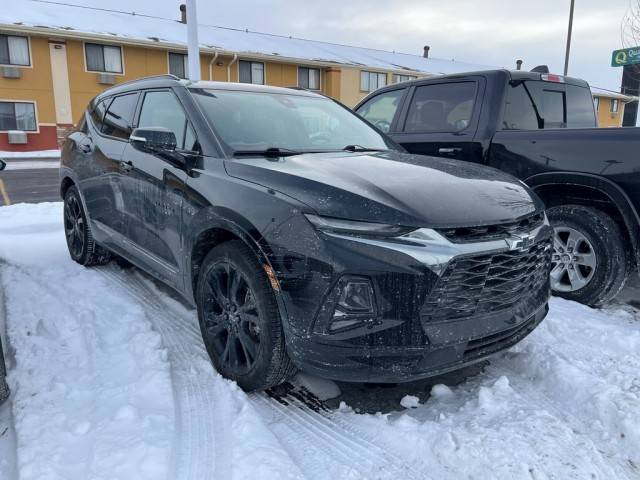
(489, 32)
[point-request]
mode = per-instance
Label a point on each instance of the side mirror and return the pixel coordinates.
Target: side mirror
(2, 164)
(154, 139)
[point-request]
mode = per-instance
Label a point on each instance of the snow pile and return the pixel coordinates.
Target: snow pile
(92, 393)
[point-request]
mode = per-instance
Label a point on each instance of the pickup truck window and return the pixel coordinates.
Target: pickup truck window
(534, 105)
(381, 109)
(441, 107)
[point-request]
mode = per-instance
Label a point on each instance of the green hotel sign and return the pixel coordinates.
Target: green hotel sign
(626, 56)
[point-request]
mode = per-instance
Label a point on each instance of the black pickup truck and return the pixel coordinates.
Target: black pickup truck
(542, 129)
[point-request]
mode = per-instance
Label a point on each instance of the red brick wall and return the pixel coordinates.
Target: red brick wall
(46, 139)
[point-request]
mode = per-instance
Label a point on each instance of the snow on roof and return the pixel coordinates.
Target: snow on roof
(601, 92)
(124, 27)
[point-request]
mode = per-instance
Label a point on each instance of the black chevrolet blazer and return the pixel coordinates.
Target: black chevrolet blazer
(305, 237)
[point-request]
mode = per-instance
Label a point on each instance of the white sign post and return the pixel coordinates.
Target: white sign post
(192, 41)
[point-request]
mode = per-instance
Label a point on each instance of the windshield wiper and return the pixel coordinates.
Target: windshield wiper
(271, 152)
(360, 148)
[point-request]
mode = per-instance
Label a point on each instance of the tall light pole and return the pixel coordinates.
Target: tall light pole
(192, 41)
(566, 55)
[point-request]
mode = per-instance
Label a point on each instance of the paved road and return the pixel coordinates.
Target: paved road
(30, 185)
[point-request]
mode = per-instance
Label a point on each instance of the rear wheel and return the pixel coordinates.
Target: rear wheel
(82, 247)
(590, 261)
(239, 319)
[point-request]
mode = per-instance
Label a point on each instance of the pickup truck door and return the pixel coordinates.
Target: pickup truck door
(441, 119)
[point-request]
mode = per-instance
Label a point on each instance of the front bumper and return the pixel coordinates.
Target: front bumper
(425, 323)
(389, 364)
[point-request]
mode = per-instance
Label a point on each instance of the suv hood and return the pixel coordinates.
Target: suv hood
(393, 188)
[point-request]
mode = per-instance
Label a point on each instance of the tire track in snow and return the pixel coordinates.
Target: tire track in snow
(200, 449)
(321, 447)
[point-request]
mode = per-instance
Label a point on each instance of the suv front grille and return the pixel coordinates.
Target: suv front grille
(481, 284)
(492, 232)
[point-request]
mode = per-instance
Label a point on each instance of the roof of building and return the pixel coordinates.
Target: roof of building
(77, 21)
(601, 92)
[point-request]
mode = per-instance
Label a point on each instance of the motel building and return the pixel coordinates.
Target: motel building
(610, 106)
(54, 59)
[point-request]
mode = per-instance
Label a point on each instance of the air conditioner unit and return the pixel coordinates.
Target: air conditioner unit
(10, 72)
(17, 137)
(106, 79)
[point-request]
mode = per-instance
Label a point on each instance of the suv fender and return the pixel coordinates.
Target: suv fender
(613, 192)
(223, 225)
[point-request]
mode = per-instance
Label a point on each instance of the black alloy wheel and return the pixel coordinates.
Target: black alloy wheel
(239, 318)
(82, 247)
(74, 226)
(232, 326)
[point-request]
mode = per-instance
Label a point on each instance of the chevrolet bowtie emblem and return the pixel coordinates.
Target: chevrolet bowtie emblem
(520, 242)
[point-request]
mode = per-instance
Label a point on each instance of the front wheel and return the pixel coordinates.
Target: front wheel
(590, 262)
(239, 318)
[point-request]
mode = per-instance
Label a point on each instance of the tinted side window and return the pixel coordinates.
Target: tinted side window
(381, 109)
(442, 107)
(553, 108)
(580, 107)
(97, 114)
(162, 109)
(519, 112)
(117, 121)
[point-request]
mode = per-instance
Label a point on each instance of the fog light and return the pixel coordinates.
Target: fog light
(356, 297)
(354, 303)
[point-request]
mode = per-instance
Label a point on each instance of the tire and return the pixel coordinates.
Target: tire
(82, 247)
(603, 264)
(239, 319)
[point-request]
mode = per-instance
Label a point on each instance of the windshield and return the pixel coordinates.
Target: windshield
(255, 121)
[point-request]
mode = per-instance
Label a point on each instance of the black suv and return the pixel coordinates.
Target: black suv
(540, 128)
(304, 237)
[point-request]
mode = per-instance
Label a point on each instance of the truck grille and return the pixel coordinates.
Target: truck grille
(492, 232)
(481, 284)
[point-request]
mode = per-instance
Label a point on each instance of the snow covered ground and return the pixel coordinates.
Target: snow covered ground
(110, 380)
(5, 155)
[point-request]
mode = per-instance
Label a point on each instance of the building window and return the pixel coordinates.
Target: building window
(14, 51)
(178, 65)
(370, 81)
(615, 105)
(103, 58)
(18, 116)
(403, 78)
(596, 103)
(309, 78)
(251, 72)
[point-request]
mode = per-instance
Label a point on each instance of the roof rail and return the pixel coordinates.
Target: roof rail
(168, 76)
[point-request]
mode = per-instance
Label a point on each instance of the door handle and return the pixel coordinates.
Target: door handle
(126, 165)
(449, 150)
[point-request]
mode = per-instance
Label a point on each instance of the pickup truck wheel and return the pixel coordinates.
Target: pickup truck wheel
(239, 318)
(590, 263)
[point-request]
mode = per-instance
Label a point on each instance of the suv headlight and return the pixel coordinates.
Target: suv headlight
(353, 227)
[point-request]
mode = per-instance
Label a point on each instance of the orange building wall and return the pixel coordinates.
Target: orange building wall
(605, 117)
(35, 85)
